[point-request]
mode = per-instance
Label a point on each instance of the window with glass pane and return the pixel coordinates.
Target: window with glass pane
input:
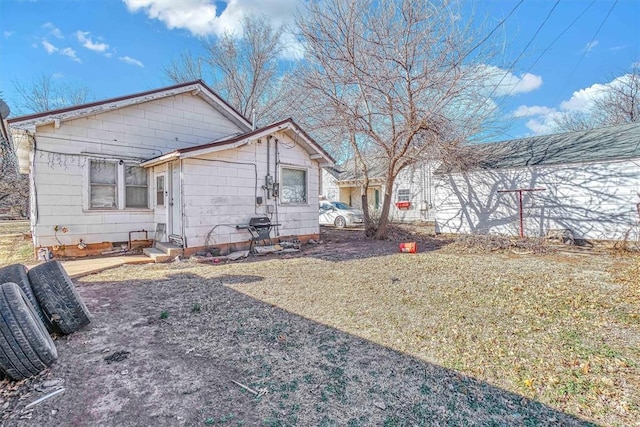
(404, 195)
(160, 190)
(136, 191)
(103, 182)
(293, 188)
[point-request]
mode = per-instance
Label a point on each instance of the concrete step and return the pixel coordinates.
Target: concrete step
(157, 255)
(169, 248)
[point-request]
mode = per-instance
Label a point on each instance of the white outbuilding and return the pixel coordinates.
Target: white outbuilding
(585, 183)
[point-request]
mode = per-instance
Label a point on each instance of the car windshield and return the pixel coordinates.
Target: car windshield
(341, 205)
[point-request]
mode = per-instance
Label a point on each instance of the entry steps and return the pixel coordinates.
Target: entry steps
(163, 251)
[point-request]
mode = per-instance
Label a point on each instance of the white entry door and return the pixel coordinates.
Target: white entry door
(175, 213)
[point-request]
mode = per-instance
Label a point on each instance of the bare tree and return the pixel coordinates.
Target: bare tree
(396, 79)
(619, 103)
(14, 188)
(186, 68)
(43, 94)
(243, 68)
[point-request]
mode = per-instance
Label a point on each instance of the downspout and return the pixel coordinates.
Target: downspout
(182, 213)
(266, 181)
(275, 172)
(33, 207)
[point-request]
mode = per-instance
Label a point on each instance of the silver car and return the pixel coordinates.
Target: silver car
(339, 214)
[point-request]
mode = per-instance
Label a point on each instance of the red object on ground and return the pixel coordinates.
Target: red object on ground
(409, 247)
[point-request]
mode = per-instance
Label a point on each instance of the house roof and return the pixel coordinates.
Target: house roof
(287, 126)
(347, 171)
(197, 88)
(619, 142)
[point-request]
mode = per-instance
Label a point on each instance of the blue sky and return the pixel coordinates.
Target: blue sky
(118, 47)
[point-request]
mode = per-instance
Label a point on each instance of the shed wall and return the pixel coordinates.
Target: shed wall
(596, 201)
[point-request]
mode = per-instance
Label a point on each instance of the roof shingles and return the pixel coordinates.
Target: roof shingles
(619, 142)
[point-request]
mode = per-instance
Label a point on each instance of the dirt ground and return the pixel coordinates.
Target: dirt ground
(180, 345)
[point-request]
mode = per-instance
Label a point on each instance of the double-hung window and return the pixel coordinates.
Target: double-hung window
(404, 195)
(103, 180)
(136, 190)
(293, 186)
(114, 185)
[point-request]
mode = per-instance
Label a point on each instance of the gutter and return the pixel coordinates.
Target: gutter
(162, 159)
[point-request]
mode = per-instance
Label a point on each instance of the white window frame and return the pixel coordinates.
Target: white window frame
(306, 185)
(125, 186)
(403, 195)
(120, 187)
(91, 184)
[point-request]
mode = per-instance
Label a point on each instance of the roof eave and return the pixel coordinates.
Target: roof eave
(196, 88)
(160, 160)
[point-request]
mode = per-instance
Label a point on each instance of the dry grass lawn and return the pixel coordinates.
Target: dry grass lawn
(375, 338)
(14, 248)
(563, 330)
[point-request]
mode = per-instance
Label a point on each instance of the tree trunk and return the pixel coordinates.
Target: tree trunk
(381, 232)
(369, 226)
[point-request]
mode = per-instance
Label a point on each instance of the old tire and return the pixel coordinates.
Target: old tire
(17, 273)
(26, 347)
(58, 297)
(340, 222)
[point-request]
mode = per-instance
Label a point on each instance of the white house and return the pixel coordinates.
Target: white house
(411, 200)
(587, 182)
(177, 160)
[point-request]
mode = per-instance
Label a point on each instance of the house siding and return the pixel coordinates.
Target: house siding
(417, 179)
(142, 131)
(220, 192)
(595, 200)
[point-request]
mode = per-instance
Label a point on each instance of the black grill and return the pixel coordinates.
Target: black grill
(260, 222)
(260, 229)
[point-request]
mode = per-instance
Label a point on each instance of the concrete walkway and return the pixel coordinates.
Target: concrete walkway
(81, 267)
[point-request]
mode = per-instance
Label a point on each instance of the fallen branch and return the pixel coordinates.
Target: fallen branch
(43, 398)
(249, 389)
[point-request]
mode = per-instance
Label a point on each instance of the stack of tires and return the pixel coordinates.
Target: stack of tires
(34, 304)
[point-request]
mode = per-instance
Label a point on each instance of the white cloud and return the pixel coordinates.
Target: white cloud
(542, 119)
(8, 34)
(582, 100)
(83, 37)
(203, 18)
(504, 83)
(57, 75)
(53, 30)
(197, 16)
(635, 64)
(542, 125)
(50, 48)
(591, 45)
(534, 110)
(132, 61)
(522, 84)
(67, 51)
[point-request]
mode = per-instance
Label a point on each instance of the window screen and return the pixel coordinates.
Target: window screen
(136, 188)
(103, 182)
